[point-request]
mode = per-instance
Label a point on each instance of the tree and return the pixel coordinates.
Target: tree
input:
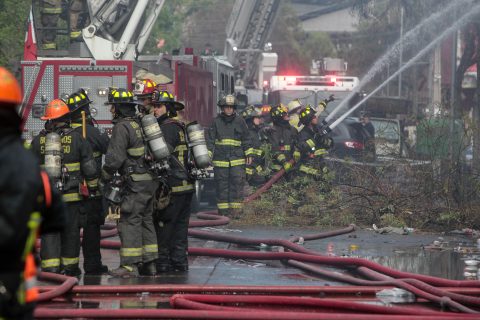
(13, 15)
(295, 47)
(167, 33)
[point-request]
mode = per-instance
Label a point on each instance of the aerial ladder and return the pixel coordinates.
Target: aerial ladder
(112, 42)
(247, 48)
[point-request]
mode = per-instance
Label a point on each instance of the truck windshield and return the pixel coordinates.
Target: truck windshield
(306, 97)
(339, 96)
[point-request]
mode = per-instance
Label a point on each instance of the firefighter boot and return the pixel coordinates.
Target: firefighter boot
(180, 267)
(52, 270)
(97, 271)
(148, 269)
(72, 270)
(125, 271)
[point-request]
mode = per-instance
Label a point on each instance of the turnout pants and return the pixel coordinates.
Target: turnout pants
(229, 184)
(172, 231)
(91, 235)
(63, 249)
(135, 227)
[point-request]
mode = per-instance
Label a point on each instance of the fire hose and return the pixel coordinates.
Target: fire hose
(250, 301)
(304, 255)
(213, 314)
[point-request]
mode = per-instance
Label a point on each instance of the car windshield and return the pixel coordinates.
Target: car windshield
(386, 129)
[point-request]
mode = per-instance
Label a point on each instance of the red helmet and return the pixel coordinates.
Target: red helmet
(144, 88)
(10, 93)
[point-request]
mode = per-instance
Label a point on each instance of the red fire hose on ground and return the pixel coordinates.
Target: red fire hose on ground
(285, 302)
(213, 307)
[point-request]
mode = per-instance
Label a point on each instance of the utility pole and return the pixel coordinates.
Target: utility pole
(476, 114)
(452, 94)
(400, 56)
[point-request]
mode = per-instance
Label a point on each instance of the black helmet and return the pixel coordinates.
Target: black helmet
(228, 101)
(306, 115)
(120, 96)
(166, 98)
(278, 112)
(77, 100)
(250, 112)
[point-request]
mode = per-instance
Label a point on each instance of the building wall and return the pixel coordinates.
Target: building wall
(338, 21)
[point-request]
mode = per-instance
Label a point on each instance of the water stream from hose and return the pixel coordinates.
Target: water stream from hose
(465, 18)
(406, 42)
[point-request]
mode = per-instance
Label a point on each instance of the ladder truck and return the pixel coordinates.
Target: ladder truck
(247, 48)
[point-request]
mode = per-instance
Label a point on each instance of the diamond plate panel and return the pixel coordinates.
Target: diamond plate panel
(120, 81)
(44, 94)
(92, 84)
(46, 87)
(65, 86)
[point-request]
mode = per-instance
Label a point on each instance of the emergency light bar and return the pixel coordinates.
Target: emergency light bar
(315, 83)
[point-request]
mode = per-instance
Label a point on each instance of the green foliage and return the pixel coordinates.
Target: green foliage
(170, 23)
(13, 15)
(299, 201)
(392, 220)
(379, 28)
(295, 47)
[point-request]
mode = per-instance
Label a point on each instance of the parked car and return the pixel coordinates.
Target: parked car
(349, 141)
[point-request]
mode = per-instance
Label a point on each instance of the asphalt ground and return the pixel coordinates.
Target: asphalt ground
(409, 253)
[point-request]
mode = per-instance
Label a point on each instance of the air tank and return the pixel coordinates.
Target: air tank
(196, 139)
(53, 155)
(154, 137)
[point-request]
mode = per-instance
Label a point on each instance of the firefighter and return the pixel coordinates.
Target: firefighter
(313, 145)
(50, 11)
(77, 103)
(126, 155)
(143, 91)
(255, 125)
(26, 198)
(283, 139)
(172, 224)
(229, 144)
(79, 19)
(77, 173)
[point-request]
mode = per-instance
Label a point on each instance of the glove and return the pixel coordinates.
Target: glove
(330, 99)
(113, 212)
(323, 140)
(327, 142)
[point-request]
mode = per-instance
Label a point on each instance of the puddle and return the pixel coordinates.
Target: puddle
(449, 263)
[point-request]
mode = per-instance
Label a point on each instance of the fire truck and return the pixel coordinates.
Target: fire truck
(310, 89)
(109, 55)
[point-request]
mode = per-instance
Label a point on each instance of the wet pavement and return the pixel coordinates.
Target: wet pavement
(411, 253)
(402, 252)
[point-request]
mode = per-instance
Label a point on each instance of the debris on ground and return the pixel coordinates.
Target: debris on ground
(397, 230)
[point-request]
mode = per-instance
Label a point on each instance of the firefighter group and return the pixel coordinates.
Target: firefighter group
(72, 176)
